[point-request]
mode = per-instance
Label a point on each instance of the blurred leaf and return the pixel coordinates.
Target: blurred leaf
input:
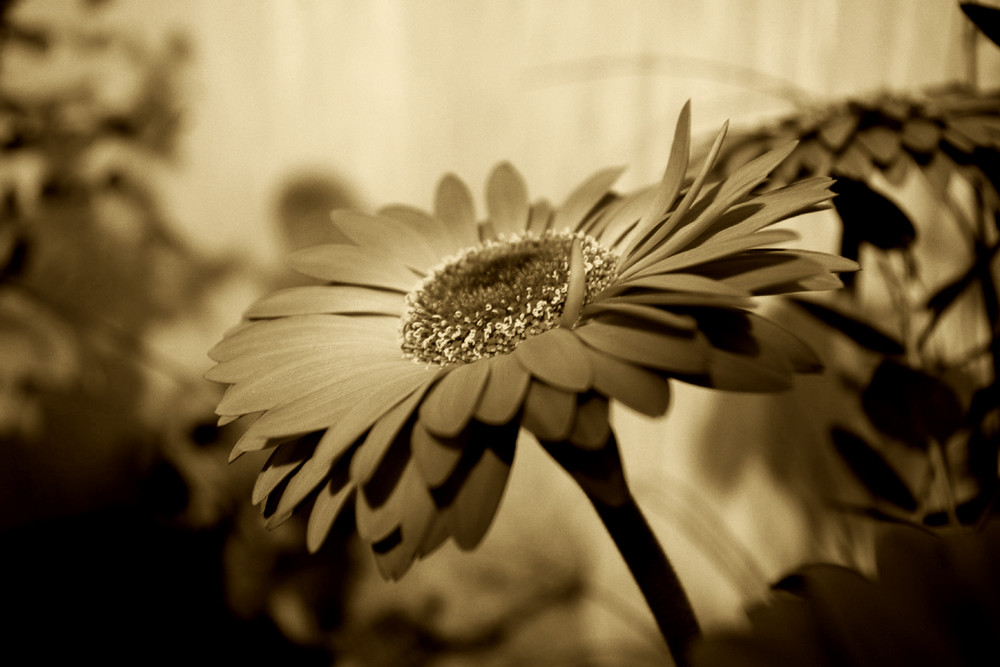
(871, 469)
(986, 19)
(870, 217)
(985, 400)
(860, 332)
(911, 406)
(946, 295)
(987, 160)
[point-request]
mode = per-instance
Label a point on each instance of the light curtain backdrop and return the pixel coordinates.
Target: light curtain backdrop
(384, 96)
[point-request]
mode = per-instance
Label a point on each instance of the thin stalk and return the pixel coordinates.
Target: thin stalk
(601, 476)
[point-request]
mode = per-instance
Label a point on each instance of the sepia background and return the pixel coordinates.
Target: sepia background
(160, 160)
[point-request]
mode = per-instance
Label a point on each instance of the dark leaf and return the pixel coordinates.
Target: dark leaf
(984, 455)
(987, 160)
(984, 401)
(860, 332)
(986, 19)
(911, 406)
(872, 470)
(870, 217)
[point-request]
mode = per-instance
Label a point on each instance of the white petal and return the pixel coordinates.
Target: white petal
(351, 265)
(454, 206)
(507, 200)
(386, 237)
(327, 299)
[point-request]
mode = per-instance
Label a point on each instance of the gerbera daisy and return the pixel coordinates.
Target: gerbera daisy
(399, 385)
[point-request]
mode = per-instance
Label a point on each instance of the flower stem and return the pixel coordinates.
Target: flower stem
(601, 476)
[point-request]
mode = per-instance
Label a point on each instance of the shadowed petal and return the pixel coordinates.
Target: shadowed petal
(351, 265)
(330, 502)
(505, 391)
(507, 200)
(470, 515)
(548, 412)
(712, 250)
(282, 462)
(592, 428)
(436, 458)
(252, 444)
(451, 402)
(635, 343)
(658, 316)
(418, 526)
(381, 436)
(557, 358)
(639, 389)
(353, 424)
(673, 282)
(777, 271)
(780, 204)
(326, 299)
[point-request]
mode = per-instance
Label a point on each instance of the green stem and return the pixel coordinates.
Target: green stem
(601, 476)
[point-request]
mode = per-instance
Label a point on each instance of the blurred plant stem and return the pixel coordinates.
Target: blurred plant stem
(602, 477)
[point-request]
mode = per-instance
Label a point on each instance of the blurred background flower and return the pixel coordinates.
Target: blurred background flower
(935, 600)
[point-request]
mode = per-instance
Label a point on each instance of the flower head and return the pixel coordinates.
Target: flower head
(399, 385)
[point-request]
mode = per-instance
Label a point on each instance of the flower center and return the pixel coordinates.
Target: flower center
(495, 295)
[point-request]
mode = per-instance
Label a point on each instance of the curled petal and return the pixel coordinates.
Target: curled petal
(557, 358)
